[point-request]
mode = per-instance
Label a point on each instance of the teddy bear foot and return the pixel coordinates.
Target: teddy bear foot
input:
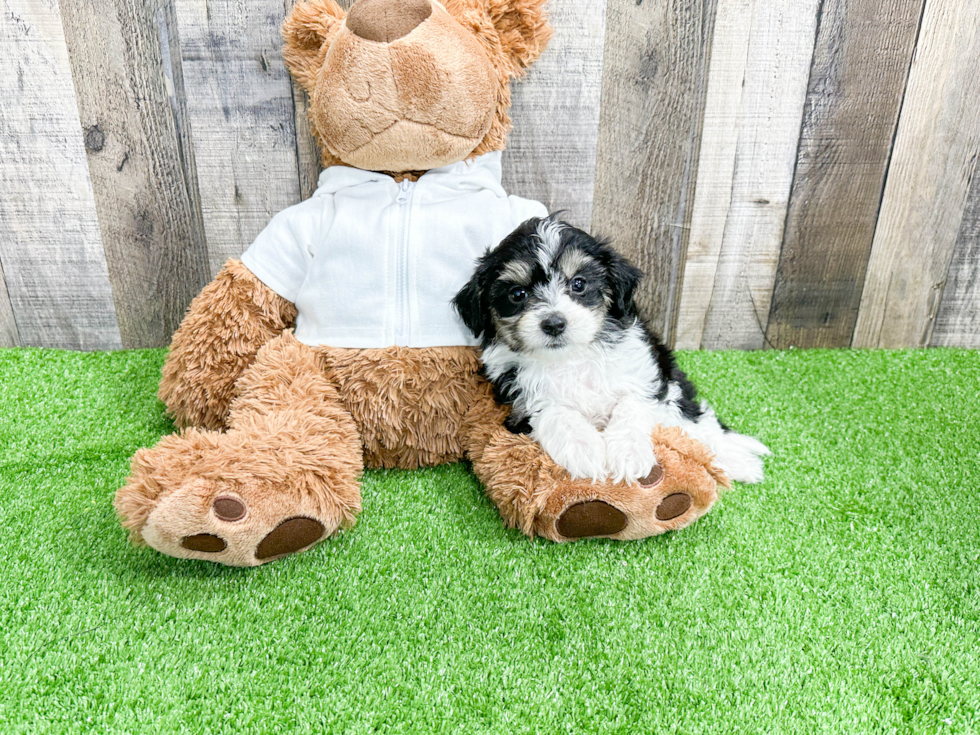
(243, 498)
(539, 497)
(681, 488)
(599, 518)
(236, 525)
(647, 508)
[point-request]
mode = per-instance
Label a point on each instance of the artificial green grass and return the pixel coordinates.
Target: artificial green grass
(841, 595)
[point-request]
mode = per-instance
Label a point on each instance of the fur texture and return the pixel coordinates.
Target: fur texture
(206, 359)
(564, 346)
(408, 404)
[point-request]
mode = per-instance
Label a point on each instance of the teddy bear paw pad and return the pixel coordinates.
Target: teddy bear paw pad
(242, 526)
(655, 477)
(229, 509)
(206, 542)
(290, 536)
(591, 518)
(673, 506)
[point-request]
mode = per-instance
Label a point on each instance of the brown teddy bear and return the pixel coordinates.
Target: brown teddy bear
(332, 346)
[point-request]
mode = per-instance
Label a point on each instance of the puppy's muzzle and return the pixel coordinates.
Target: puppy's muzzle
(554, 325)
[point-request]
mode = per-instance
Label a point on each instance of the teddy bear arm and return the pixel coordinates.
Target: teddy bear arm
(218, 339)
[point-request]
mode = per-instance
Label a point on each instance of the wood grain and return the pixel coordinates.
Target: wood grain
(50, 247)
(938, 138)
(653, 95)
(716, 167)
(307, 153)
(152, 230)
(958, 318)
(242, 118)
(792, 194)
(8, 325)
(756, 91)
(854, 96)
(551, 151)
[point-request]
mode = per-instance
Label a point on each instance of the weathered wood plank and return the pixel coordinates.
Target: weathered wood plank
(958, 319)
(8, 325)
(756, 91)
(716, 167)
(152, 230)
(551, 151)
(654, 89)
(307, 153)
(242, 116)
(172, 67)
(50, 245)
(857, 80)
(937, 141)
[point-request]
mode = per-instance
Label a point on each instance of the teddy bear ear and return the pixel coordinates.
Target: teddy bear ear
(522, 26)
(309, 27)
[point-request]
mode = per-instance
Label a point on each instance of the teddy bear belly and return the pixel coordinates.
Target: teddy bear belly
(408, 402)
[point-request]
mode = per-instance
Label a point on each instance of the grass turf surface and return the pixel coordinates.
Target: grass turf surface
(841, 595)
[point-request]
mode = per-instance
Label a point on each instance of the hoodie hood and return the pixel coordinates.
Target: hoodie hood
(476, 174)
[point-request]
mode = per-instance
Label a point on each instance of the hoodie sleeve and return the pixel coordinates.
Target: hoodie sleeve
(280, 256)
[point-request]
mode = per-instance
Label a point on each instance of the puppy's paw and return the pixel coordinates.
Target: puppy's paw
(583, 454)
(629, 454)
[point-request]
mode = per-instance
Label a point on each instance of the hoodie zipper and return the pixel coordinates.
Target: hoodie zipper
(406, 191)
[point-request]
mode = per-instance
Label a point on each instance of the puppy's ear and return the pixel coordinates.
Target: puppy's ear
(307, 32)
(624, 277)
(471, 304)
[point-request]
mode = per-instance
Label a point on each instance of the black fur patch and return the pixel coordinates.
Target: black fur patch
(689, 405)
(516, 425)
(506, 392)
(505, 388)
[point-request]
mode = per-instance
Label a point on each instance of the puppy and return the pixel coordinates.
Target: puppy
(564, 347)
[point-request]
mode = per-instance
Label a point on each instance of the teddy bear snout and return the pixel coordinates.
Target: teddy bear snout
(386, 20)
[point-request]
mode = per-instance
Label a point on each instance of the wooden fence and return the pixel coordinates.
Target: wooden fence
(788, 172)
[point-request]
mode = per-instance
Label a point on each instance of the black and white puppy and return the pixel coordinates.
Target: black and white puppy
(564, 347)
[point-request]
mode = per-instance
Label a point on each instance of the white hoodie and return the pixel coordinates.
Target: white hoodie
(371, 263)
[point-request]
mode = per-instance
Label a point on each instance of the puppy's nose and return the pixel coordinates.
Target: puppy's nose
(554, 325)
(386, 20)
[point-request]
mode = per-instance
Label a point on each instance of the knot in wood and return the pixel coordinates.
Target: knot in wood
(94, 139)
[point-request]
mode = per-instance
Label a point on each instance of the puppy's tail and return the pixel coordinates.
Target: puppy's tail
(740, 456)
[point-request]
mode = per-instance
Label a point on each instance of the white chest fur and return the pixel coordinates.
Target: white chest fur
(590, 381)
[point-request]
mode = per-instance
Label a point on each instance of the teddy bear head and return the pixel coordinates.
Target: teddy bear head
(410, 85)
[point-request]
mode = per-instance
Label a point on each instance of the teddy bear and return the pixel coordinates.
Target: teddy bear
(331, 344)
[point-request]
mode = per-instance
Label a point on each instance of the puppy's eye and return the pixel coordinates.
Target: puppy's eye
(577, 285)
(517, 295)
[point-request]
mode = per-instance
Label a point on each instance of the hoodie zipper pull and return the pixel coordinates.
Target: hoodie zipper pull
(403, 190)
